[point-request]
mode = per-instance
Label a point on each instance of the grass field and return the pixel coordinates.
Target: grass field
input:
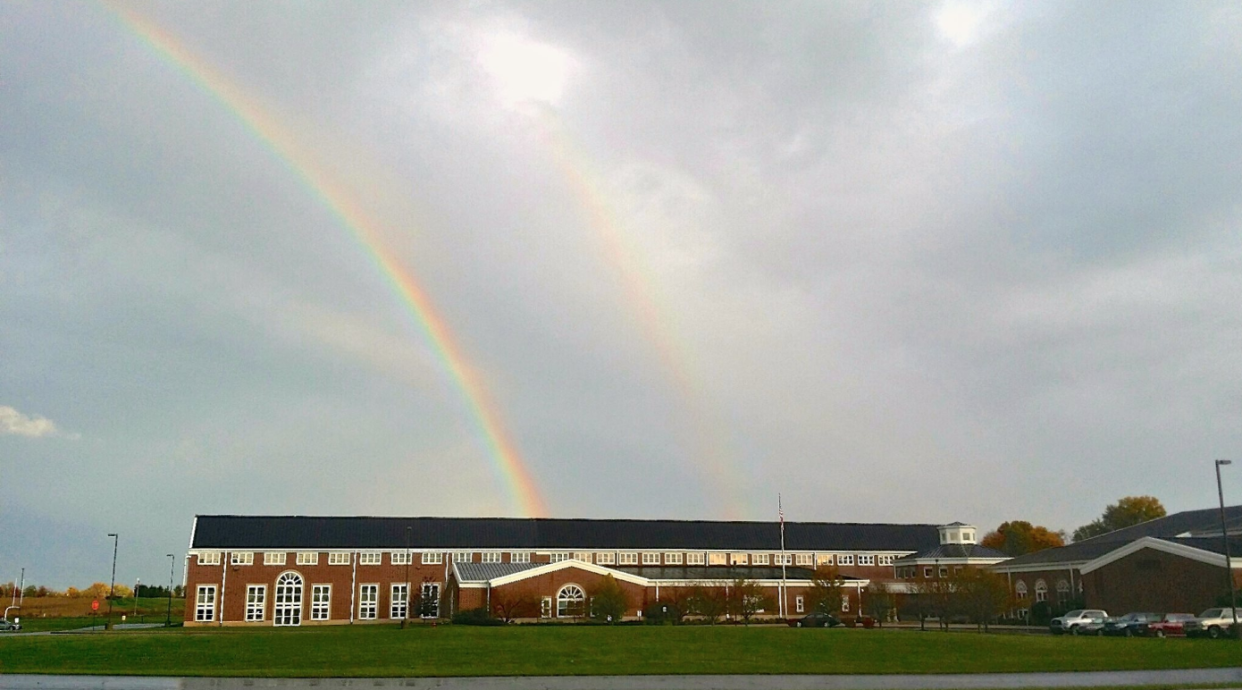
(579, 650)
(62, 613)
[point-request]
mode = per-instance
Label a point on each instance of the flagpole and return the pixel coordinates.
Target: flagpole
(784, 581)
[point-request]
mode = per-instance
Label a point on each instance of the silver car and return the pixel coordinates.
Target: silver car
(1073, 621)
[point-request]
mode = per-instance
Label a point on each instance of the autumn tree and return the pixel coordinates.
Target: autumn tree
(608, 601)
(980, 595)
(746, 598)
(1019, 537)
(1126, 512)
(509, 606)
(827, 587)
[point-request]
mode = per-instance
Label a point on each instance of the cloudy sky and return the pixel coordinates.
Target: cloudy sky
(899, 262)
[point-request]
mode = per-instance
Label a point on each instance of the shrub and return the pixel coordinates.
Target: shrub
(663, 613)
(475, 617)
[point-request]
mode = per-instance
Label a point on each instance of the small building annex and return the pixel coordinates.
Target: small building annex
(298, 570)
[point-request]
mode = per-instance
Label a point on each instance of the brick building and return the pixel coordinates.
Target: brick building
(289, 570)
(1180, 575)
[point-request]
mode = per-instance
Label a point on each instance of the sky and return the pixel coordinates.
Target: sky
(907, 262)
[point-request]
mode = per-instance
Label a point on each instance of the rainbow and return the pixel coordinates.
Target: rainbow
(366, 230)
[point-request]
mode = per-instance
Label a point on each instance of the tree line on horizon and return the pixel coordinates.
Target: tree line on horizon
(1019, 537)
(97, 590)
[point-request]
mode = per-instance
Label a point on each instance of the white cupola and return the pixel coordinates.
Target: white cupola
(958, 533)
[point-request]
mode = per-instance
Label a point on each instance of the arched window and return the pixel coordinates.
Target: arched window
(570, 602)
(288, 610)
(1041, 590)
(1063, 591)
(1019, 589)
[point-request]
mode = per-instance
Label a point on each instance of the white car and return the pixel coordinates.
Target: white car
(9, 625)
(1073, 621)
(1213, 623)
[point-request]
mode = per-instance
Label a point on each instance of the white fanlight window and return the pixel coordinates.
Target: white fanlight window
(288, 602)
(570, 602)
(1041, 590)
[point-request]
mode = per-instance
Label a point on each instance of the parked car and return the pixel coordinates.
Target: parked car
(1073, 621)
(1213, 623)
(1169, 624)
(9, 625)
(815, 620)
(1129, 625)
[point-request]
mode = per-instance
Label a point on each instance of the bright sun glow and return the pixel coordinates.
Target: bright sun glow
(959, 23)
(525, 71)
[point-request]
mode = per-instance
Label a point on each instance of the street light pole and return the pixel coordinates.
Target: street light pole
(116, 540)
(168, 618)
(1224, 535)
(408, 558)
(137, 586)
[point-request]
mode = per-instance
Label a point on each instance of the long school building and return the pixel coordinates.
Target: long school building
(294, 570)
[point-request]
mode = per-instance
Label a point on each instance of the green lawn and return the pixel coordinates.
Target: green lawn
(575, 650)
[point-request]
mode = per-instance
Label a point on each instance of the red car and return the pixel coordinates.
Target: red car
(1169, 624)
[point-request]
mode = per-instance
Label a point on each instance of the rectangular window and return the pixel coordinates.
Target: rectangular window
(463, 557)
(242, 558)
(209, 558)
(739, 559)
(429, 604)
(545, 607)
(927, 573)
(369, 558)
(205, 603)
(368, 602)
(845, 602)
(519, 557)
(799, 605)
(558, 557)
(255, 598)
(944, 571)
(805, 559)
(274, 558)
(400, 598)
(694, 558)
(584, 556)
(337, 558)
(845, 559)
(717, 558)
(629, 558)
(605, 558)
(885, 560)
(823, 559)
(866, 559)
(783, 559)
(760, 559)
(401, 557)
(430, 558)
(672, 559)
(308, 558)
(321, 602)
(651, 558)
(490, 557)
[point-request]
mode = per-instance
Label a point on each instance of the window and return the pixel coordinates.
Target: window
(717, 558)
(583, 556)
(255, 596)
(944, 571)
(463, 557)
(783, 559)
(430, 558)
(401, 557)
(629, 558)
(429, 605)
(927, 573)
(1019, 590)
(805, 559)
(672, 559)
(866, 559)
(519, 557)
(209, 558)
(288, 604)
(571, 602)
(274, 558)
(308, 558)
(1041, 590)
(823, 559)
(490, 557)
(651, 558)
(845, 602)
(739, 559)
(400, 600)
(337, 558)
(321, 602)
(242, 558)
(556, 558)
(694, 558)
(845, 559)
(368, 602)
(799, 605)
(760, 559)
(545, 607)
(205, 603)
(604, 558)
(369, 558)
(1063, 591)
(886, 560)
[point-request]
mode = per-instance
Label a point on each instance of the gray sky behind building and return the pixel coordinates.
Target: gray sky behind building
(900, 262)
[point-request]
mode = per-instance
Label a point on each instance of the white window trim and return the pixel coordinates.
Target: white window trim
(241, 558)
(650, 558)
(672, 559)
(627, 558)
(308, 558)
(338, 558)
(255, 609)
(433, 557)
(209, 558)
(761, 559)
(394, 603)
(605, 558)
(401, 558)
(845, 559)
(695, 558)
(275, 558)
(363, 604)
(370, 558)
(519, 557)
(325, 606)
(205, 606)
(463, 556)
(804, 559)
(489, 557)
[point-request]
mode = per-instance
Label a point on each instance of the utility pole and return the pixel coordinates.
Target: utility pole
(1224, 535)
(116, 539)
(168, 618)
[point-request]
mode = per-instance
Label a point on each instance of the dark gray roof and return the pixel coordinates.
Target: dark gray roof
(720, 572)
(956, 551)
(1212, 544)
(480, 572)
(304, 532)
(1166, 527)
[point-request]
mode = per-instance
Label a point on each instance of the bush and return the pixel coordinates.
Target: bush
(662, 613)
(475, 617)
(1041, 613)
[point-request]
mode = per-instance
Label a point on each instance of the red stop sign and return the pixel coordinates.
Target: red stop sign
(95, 605)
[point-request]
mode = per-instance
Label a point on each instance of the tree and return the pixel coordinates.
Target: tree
(509, 606)
(707, 602)
(608, 602)
(980, 595)
(824, 595)
(1019, 537)
(428, 603)
(746, 598)
(878, 601)
(1126, 512)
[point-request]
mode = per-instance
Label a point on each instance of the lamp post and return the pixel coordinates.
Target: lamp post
(168, 618)
(1224, 535)
(116, 540)
(137, 586)
(408, 558)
